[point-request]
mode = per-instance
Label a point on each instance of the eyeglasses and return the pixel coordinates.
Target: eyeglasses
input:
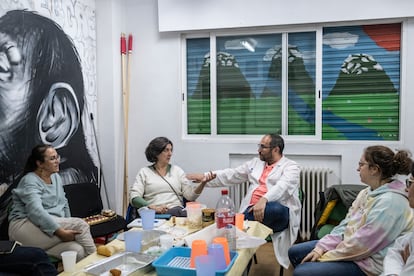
(360, 164)
(261, 146)
(53, 158)
(408, 182)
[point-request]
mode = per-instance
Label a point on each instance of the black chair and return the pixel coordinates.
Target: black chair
(85, 201)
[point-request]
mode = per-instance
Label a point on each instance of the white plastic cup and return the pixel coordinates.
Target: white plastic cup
(147, 218)
(69, 260)
(166, 241)
(194, 216)
(133, 241)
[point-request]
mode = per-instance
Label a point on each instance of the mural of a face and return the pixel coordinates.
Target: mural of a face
(13, 94)
(41, 96)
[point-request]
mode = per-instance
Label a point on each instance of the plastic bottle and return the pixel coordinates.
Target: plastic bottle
(225, 219)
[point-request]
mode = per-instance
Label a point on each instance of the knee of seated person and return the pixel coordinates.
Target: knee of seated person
(80, 254)
(292, 254)
(81, 224)
(276, 206)
(80, 221)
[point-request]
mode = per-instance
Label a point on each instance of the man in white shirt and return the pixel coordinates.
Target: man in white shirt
(273, 194)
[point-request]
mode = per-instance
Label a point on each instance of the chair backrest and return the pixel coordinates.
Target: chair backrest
(131, 213)
(333, 206)
(84, 199)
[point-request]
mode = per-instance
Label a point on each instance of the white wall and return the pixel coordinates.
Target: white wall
(110, 21)
(179, 15)
(155, 95)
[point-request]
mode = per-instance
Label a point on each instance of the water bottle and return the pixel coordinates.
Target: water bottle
(225, 219)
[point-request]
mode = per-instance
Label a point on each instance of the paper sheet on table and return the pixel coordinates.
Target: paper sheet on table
(208, 233)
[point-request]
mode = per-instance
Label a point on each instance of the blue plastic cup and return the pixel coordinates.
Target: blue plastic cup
(205, 265)
(147, 218)
(133, 241)
(217, 252)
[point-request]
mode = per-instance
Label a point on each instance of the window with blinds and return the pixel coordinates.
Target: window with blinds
(264, 83)
(361, 82)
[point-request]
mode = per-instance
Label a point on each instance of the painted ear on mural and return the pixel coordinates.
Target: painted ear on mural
(59, 115)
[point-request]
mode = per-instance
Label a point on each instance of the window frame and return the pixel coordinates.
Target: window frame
(285, 30)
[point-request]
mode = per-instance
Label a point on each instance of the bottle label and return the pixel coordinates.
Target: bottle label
(223, 221)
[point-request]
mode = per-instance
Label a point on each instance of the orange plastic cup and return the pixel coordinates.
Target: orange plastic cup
(223, 241)
(240, 221)
(198, 248)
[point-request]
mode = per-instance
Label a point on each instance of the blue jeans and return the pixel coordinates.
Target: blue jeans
(27, 261)
(276, 216)
(298, 251)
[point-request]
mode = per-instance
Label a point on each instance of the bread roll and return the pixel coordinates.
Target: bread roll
(106, 250)
(115, 272)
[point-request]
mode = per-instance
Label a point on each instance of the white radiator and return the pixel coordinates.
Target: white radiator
(312, 181)
(237, 193)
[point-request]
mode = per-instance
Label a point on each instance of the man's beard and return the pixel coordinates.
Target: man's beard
(263, 157)
(266, 158)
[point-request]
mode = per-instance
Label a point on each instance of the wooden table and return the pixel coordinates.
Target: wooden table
(254, 229)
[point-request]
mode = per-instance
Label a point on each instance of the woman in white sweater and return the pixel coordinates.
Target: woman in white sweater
(162, 186)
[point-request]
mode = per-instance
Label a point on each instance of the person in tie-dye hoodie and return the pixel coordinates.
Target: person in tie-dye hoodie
(399, 259)
(378, 216)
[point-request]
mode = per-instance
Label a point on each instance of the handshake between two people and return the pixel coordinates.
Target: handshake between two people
(257, 209)
(201, 177)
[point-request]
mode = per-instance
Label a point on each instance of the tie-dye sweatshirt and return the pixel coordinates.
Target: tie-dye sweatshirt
(374, 221)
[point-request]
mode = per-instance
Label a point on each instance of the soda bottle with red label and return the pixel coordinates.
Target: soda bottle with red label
(225, 219)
